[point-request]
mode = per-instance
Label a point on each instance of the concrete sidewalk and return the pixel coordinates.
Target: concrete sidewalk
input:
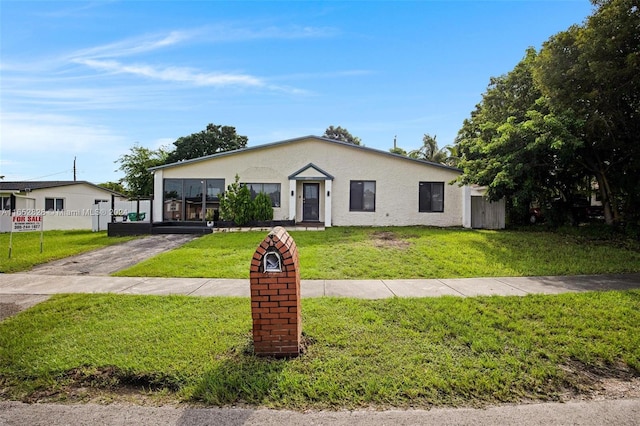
(27, 289)
(32, 284)
(585, 413)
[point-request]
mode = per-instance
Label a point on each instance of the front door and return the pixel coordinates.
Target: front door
(311, 202)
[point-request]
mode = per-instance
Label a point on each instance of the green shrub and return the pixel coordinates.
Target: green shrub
(262, 210)
(236, 204)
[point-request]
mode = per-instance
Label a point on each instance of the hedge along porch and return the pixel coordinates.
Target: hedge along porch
(275, 296)
(318, 180)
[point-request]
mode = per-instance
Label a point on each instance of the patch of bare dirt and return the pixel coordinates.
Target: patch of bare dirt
(8, 309)
(388, 239)
(587, 382)
(14, 303)
(107, 385)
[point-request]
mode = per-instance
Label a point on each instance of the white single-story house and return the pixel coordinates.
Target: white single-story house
(317, 180)
(62, 204)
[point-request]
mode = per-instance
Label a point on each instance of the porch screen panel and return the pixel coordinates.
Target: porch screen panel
(172, 200)
(193, 199)
(215, 188)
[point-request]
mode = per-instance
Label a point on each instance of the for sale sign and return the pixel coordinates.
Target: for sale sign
(20, 223)
(26, 223)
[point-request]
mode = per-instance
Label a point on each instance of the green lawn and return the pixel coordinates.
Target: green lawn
(56, 245)
(406, 252)
(386, 353)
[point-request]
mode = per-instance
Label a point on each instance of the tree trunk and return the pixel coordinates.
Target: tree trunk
(610, 213)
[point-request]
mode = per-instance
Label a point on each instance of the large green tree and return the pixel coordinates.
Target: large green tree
(212, 140)
(341, 134)
(515, 146)
(564, 117)
(137, 179)
(591, 73)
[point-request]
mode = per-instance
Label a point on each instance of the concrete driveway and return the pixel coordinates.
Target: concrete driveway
(110, 259)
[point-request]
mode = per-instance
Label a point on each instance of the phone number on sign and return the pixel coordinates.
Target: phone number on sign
(82, 212)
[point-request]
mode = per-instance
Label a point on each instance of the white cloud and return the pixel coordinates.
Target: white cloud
(233, 33)
(54, 133)
(175, 74)
(132, 46)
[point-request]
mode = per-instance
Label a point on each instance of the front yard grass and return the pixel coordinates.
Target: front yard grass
(56, 245)
(406, 252)
(395, 352)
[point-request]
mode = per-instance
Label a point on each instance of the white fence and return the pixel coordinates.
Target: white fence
(122, 212)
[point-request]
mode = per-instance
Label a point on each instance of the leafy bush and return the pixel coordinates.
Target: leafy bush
(236, 205)
(262, 209)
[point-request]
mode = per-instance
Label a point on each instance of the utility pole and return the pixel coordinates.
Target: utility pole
(74, 168)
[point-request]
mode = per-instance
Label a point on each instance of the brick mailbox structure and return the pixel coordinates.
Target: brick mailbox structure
(275, 296)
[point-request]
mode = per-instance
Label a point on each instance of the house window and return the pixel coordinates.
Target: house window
(271, 189)
(431, 196)
(362, 197)
(5, 203)
(54, 204)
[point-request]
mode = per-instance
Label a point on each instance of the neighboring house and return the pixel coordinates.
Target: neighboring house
(317, 180)
(63, 204)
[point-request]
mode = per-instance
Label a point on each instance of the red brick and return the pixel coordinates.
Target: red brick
(270, 279)
(279, 298)
(279, 285)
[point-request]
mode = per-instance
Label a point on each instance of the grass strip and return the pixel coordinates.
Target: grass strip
(383, 353)
(405, 253)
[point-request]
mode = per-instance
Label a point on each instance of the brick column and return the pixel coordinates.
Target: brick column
(275, 296)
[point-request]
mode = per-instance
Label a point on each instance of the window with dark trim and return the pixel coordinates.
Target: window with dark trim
(362, 196)
(5, 203)
(431, 197)
(271, 189)
(54, 204)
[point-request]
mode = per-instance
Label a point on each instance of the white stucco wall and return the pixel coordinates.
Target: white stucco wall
(78, 205)
(396, 178)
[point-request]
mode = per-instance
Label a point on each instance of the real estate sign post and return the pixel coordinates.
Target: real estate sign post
(26, 224)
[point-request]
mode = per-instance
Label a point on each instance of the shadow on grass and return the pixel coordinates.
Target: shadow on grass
(240, 377)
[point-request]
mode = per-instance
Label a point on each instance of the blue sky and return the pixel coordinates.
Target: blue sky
(91, 79)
